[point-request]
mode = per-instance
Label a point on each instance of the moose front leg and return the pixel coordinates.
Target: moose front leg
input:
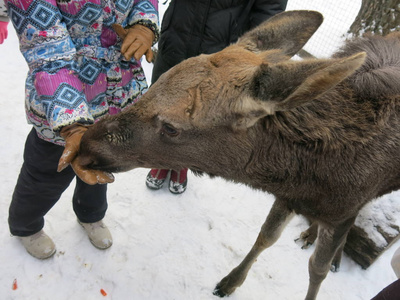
(271, 230)
(330, 242)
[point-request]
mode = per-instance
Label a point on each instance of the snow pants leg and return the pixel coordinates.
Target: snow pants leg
(40, 186)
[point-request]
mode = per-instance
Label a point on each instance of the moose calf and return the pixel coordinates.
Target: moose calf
(321, 135)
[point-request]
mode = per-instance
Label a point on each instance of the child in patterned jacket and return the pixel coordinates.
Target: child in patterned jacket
(80, 70)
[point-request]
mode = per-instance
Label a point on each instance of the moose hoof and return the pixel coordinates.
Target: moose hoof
(218, 292)
(335, 267)
(223, 289)
(308, 237)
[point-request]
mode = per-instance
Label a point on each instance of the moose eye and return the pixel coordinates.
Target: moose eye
(169, 130)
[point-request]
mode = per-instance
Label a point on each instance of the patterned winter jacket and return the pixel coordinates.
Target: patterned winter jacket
(76, 71)
(3, 12)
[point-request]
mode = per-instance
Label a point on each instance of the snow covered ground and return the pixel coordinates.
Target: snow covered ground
(165, 246)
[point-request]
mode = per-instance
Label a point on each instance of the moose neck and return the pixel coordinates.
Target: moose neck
(334, 125)
(331, 122)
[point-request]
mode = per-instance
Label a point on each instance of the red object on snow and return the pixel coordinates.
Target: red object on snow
(14, 285)
(103, 292)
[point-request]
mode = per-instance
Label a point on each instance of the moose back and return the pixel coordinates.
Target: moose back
(321, 135)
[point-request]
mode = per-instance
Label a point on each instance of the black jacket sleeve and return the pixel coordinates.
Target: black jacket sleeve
(262, 10)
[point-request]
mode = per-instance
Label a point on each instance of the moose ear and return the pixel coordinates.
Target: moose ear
(288, 31)
(322, 81)
(288, 85)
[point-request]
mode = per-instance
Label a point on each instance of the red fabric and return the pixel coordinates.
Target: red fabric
(159, 173)
(3, 31)
(179, 176)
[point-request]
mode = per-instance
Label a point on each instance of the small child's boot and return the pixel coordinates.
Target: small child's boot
(98, 234)
(178, 181)
(156, 178)
(39, 245)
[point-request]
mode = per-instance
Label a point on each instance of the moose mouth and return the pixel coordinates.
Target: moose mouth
(101, 164)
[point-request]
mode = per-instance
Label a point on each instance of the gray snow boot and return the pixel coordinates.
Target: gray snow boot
(98, 234)
(39, 245)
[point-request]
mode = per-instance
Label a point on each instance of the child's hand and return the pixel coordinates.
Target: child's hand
(3, 31)
(72, 135)
(137, 41)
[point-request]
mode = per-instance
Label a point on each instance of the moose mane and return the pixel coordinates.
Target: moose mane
(380, 74)
(357, 109)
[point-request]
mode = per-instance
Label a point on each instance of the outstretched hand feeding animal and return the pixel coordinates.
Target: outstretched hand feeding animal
(137, 41)
(72, 135)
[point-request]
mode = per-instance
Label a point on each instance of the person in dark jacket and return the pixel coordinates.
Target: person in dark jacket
(190, 28)
(392, 291)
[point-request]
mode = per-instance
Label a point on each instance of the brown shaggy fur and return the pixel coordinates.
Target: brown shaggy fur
(323, 136)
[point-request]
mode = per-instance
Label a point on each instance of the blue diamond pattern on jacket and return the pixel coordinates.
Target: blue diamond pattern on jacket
(18, 18)
(41, 14)
(122, 5)
(88, 14)
(89, 71)
(44, 15)
(146, 7)
(65, 96)
(69, 95)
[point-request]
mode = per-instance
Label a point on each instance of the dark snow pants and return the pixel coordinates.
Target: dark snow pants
(391, 292)
(40, 186)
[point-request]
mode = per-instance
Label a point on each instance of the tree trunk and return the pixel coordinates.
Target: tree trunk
(363, 250)
(377, 17)
(377, 228)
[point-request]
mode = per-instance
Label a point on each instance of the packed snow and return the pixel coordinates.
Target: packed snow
(165, 246)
